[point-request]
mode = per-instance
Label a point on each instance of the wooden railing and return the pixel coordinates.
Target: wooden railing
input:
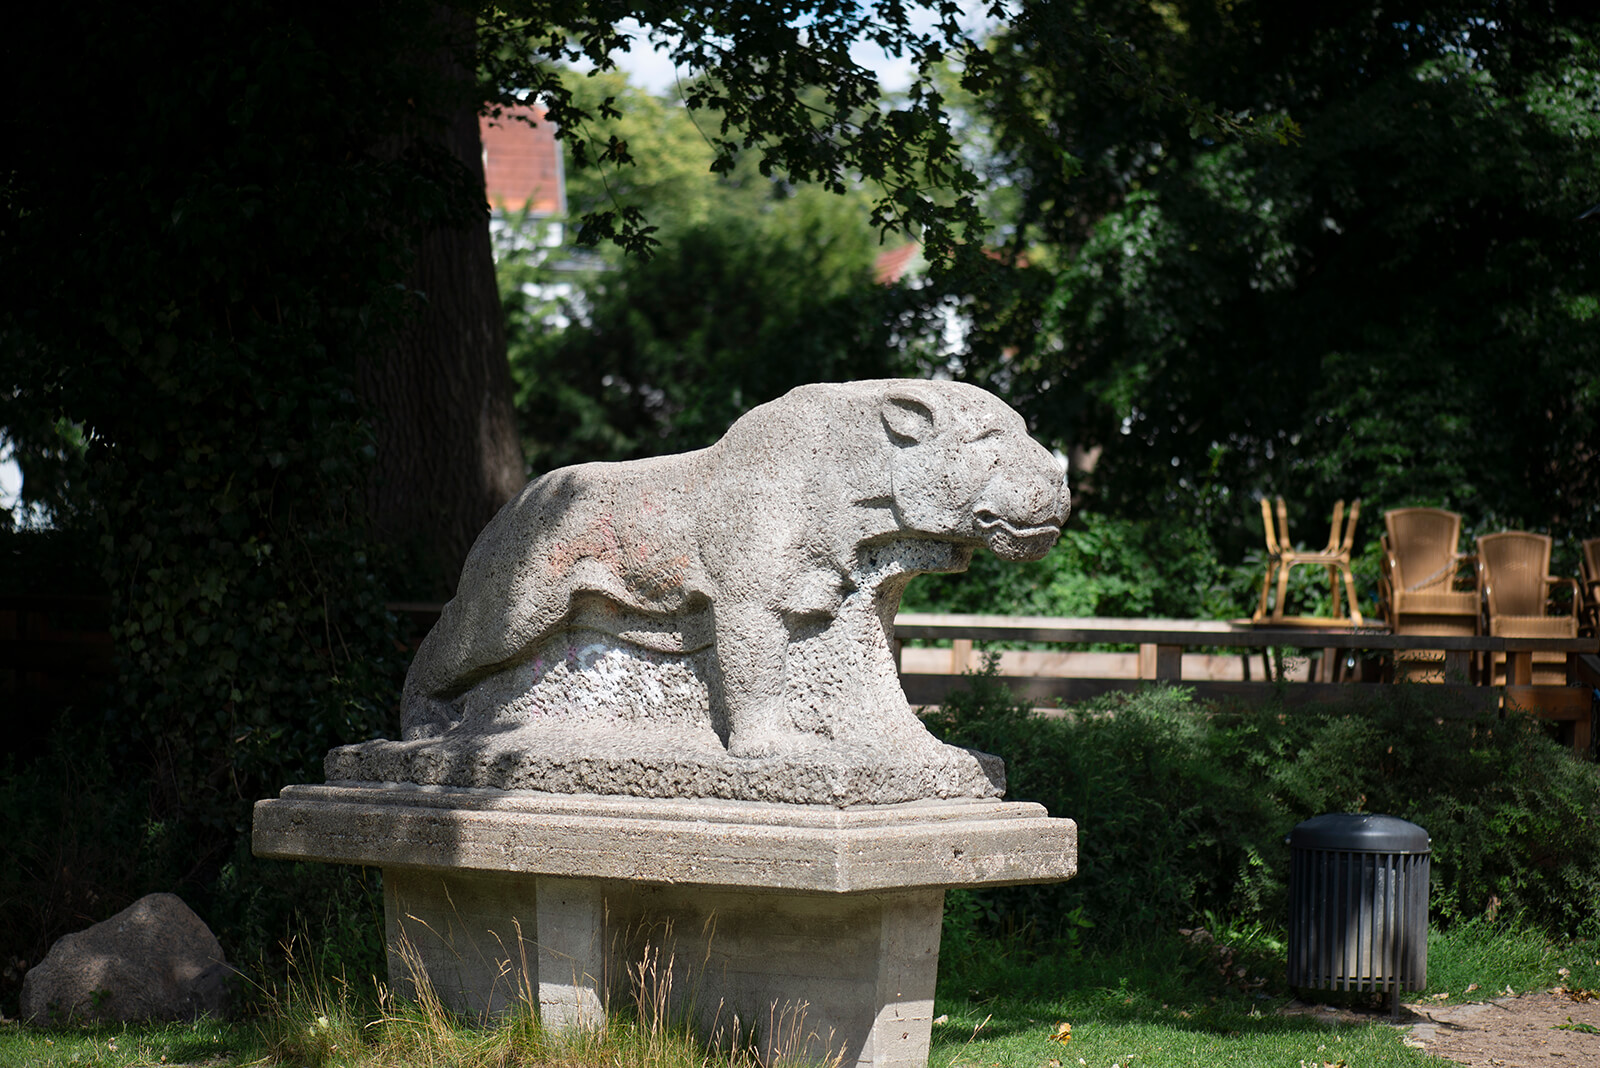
(1165, 652)
(56, 647)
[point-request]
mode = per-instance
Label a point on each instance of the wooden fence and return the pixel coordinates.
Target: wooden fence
(57, 648)
(1322, 665)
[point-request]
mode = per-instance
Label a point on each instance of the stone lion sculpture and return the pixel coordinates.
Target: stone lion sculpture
(747, 589)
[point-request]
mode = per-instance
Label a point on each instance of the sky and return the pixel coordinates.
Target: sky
(653, 71)
(10, 478)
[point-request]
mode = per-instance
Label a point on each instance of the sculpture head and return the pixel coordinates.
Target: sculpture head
(964, 467)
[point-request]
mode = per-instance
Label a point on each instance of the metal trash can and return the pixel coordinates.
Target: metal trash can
(1358, 904)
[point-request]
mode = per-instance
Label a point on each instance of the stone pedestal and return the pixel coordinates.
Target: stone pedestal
(813, 930)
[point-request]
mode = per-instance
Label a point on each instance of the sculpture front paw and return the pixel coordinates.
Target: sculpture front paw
(753, 743)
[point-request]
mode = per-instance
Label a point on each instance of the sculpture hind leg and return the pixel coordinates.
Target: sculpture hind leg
(473, 639)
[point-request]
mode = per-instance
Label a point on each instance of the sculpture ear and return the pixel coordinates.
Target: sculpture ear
(908, 419)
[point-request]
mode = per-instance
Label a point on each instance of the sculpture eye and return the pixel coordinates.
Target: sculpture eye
(992, 432)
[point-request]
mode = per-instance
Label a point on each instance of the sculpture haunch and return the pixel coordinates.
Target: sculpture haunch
(746, 590)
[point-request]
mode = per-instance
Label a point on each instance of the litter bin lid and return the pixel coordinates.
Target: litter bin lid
(1359, 832)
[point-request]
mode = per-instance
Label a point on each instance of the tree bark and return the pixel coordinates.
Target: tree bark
(449, 454)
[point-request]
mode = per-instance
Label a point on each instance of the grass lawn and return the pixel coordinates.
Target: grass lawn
(204, 1043)
(1112, 1023)
(1186, 1003)
(1160, 1005)
(1176, 1002)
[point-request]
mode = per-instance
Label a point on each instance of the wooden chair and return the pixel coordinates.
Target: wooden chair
(1421, 589)
(1282, 556)
(1590, 564)
(1513, 572)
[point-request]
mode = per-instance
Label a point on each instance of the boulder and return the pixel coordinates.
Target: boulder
(154, 960)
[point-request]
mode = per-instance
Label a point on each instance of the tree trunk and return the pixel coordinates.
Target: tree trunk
(449, 454)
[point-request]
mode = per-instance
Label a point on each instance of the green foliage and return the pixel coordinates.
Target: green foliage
(190, 294)
(84, 839)
(776, 84)
(279, 915)
(1331, 317)
(1511, 815)
(1479, 958)
(726, 315)
(1182, 809)
(1102, 566)
(753, 288)
(198, 294)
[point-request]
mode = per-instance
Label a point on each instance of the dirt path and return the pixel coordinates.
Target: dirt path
(1539, 1029)
(1534, 1030)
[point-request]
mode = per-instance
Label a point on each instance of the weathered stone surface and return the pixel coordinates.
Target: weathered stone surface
(154, 960)
(747, 845)
(658, 763)
(717, 623)
(811, 978)
(818, 927)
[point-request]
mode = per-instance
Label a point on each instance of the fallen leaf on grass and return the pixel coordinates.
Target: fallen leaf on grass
(1063, 1033)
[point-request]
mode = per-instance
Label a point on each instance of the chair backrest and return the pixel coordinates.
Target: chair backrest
(1280, 544)
(1274, 546)
(1423, 541)
(1591, 561)
(1515, 564)
(1347, 541)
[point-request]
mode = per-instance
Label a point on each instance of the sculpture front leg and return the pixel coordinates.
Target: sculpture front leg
(752, 647)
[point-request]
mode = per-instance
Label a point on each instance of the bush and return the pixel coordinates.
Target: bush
(1183, 807)
(1102, 566)
(85, 836)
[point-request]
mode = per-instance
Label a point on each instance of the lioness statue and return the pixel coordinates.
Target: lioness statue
(830, 494)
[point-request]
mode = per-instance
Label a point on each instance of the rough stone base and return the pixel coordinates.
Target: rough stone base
(667, 764)
(802, 977)
(813, 930)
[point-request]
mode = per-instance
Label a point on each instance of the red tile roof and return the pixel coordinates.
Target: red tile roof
(522, 163)
(891, 264)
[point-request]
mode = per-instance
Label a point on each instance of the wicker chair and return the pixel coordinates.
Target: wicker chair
(1421, 589)
(1590, 562)
(1513, 570)
(1282, 556)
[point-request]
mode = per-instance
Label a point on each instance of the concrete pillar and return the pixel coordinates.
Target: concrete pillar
(809, 976)
(470, 933)
(572, 937)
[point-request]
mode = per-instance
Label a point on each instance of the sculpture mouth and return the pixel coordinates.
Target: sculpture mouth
(1011, 542)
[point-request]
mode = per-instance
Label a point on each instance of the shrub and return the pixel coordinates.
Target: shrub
(1102, 566)
(1183, 807)
(1160, 820)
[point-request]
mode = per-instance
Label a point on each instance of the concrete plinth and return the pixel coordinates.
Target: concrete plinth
(814, 929)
